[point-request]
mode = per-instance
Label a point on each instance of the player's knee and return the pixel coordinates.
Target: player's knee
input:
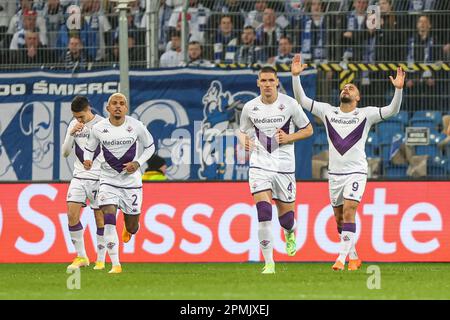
(264, 209)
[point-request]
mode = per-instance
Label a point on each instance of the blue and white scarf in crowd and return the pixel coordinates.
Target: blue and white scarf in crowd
(227, 45)
(313, 43)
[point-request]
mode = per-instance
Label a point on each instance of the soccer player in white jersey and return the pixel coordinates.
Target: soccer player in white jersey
(347, 128)
(84, 184)
(267, 130)
(120, 178)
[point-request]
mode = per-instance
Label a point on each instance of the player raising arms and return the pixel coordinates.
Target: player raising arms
(347, 127)
(273, 117)
(84, 184)
(120, 178)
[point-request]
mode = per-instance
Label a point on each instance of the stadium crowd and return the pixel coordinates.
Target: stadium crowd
(225, 31)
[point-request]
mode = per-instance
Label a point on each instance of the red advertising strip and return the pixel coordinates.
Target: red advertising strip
(217, 222)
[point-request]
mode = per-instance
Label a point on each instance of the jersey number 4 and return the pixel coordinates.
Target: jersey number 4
(290, 187)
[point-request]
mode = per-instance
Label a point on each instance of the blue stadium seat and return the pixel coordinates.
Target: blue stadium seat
(395, 171)
(428, 119)
(372, 145)
(437, 166)
(320, 142)
(402, 116)
(387, 129)
(432, 149)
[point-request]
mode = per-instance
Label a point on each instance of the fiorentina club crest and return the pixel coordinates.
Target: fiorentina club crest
(281, 107)
(129, 129)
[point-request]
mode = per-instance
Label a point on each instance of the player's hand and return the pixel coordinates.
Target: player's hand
(399, 80)
(297, 66)
(131, 167)
(87, 164)
(282, 137)
(78, 127)
(448, 130)
(249, 144)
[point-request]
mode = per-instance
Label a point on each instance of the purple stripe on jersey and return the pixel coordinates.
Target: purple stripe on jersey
(269, 143)
(265, 140)
(79, 153)
(117, 164)
(342, 145)
(285, 126)
(96, 152)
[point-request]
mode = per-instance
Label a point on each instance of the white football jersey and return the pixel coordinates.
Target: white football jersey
(285, 114)
(119, 145)
(78, 142)
(347, 134)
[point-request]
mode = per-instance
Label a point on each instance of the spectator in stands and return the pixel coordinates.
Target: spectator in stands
(32, 54)
(422, 48)
(225, 41)
(7, 10)
(197, 16)
(29, 24)
(248, 52)
(16, 22)
(53, 13)
(164, 14)
(136, 54)
(195, 56)
(268, 34)
(156, 169)
(355, 36)
(390, 37)
(314, 34)
(255, 17)
(74, 59)
(94, 33)
(233, 8)
(285, 54)
(174, 56)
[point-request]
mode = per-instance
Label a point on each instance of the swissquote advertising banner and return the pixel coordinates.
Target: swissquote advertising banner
(217, 222)
(191, 113)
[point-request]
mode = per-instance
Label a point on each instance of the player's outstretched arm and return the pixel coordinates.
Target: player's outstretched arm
(296, 68)
(396, 102)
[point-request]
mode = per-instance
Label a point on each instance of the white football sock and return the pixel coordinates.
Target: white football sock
(265, 238)
(346, 244)
(78, 242)
(101, 248)
(112, 243)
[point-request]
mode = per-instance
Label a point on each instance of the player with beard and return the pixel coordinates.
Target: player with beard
(347, 129)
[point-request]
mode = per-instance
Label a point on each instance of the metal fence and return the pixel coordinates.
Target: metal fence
(361, 41)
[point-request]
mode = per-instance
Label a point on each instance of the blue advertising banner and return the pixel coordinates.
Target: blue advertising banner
(191, 113)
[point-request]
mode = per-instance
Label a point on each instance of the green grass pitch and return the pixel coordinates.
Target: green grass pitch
(223, 281)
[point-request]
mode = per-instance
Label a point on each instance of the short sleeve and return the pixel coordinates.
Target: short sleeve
(245, 123)
(300, 118)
